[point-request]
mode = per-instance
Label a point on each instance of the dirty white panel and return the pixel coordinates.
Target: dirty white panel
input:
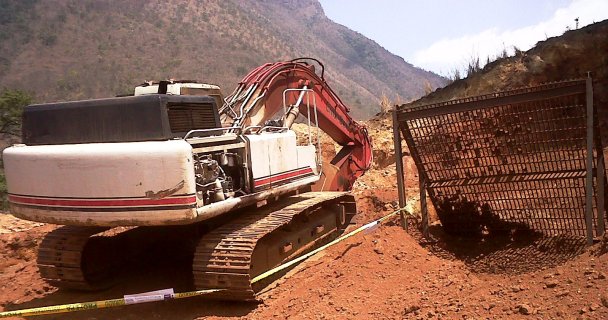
(307, 157)
(283, 154)
(136, 183)
(260, 158)
(158, 217)
(272, 154)
(100, 170)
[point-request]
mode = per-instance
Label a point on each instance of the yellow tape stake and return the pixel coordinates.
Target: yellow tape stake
(143, 298)
(95, 305)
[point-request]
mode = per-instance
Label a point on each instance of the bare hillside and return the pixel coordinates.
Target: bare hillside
(72, 49)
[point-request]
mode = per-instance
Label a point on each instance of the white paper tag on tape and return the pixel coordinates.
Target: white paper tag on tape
(158, 295)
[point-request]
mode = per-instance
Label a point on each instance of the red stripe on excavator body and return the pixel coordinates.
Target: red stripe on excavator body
(282, 176)
(101, 203)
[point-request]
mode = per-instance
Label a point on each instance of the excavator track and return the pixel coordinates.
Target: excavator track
(77, 257)
(230, 256)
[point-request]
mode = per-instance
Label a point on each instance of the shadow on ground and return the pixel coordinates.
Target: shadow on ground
(156, 269)
(518, 252)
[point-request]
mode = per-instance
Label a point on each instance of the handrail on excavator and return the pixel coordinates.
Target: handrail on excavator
(259, 97)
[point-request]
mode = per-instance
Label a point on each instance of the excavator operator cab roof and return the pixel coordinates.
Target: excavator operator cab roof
(181, 87)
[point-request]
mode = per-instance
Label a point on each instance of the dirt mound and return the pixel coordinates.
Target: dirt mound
(463, 217)
(19, 278)
(386, 274)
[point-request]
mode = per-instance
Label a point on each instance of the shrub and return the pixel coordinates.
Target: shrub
(12, 103)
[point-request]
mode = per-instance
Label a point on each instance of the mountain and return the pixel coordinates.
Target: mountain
(79, 49)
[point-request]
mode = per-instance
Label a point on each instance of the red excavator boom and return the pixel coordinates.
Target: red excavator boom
(262, 94)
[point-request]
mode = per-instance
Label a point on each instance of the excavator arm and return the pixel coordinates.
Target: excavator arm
(264, 92)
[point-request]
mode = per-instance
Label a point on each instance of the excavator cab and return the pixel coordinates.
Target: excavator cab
(181, 87)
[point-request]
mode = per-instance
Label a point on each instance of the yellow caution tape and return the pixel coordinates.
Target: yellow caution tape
(99, 304)
(163, 295)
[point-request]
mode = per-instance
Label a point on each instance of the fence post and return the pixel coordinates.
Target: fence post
(589, 162)
(600, 176)
(400, 171)
(423, 207)
(601, 189)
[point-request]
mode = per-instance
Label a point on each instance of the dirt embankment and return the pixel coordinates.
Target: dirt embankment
(573, 55)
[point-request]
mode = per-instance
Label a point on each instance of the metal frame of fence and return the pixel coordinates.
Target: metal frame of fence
(529, 157)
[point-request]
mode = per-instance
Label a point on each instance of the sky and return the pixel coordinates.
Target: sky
(442, 35)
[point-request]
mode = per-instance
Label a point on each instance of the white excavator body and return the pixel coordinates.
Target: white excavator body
(181, 180)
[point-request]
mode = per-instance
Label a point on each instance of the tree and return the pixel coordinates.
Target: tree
(12, 103)
(385, 104)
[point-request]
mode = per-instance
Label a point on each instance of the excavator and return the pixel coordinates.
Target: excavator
(177, 153)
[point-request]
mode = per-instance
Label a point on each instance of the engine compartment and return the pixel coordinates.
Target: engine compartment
(122, 119)
(220, 175)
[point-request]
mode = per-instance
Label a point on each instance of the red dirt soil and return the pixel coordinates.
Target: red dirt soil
(384, 273)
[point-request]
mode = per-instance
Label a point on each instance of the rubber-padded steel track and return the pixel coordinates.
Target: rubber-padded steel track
(63, 261)
(223, 257)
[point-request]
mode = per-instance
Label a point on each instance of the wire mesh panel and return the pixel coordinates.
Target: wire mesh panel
(508, 160)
